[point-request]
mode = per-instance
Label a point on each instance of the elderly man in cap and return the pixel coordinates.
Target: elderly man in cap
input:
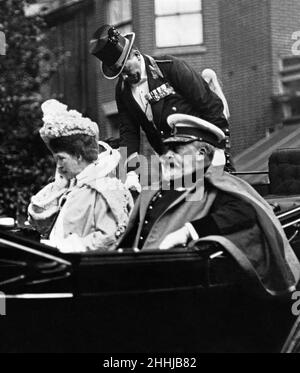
(215, 206)
(149, 90)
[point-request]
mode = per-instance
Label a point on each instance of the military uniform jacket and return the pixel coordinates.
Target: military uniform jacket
(187, 93)
(262, 250)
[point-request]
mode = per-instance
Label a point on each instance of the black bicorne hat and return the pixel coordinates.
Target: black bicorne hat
(112, 49)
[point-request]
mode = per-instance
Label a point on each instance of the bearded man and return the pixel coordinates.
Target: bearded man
(198, 200)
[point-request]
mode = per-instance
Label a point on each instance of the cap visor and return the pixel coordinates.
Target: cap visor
(179, 139)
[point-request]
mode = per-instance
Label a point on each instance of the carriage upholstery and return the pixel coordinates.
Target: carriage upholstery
(284, 176)
(284, 172)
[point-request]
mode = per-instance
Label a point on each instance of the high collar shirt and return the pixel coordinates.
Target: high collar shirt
(139, 91)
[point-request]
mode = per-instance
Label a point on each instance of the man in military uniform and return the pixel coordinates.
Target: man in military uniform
(214, 206)
(149, 90)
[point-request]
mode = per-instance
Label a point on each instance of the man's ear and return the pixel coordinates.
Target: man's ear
(201, 149)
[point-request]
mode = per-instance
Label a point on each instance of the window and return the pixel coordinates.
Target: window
(290, 87)
(119, 14)
(178, 22)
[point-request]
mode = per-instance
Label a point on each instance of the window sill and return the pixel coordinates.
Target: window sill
(189, 49)
(292, 120)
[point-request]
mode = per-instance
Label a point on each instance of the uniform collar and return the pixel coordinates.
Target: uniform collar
(143, 68)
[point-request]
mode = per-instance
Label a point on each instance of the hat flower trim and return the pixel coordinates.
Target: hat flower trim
(59, 122)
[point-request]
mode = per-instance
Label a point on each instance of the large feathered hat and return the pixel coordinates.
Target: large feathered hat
(59, 122)
(112, 49)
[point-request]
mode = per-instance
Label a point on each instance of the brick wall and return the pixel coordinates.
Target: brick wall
(209, 55)
(105, 88)
(246, 66)
(74, 84)
(243, 40)
(285, 19)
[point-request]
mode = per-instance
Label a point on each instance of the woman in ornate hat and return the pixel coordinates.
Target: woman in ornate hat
(85, 208)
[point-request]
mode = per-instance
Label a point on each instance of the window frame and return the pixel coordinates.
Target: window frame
(289, 72)
(122, 23)
(189, 47)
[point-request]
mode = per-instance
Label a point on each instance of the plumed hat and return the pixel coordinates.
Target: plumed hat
(112, 49)
(60, 122)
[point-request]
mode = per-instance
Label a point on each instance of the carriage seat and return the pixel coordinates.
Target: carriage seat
(284, 171)
(284, 176)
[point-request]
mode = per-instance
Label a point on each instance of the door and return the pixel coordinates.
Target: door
(36, 285)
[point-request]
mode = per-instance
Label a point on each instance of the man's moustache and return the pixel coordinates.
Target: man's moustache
(174, 161)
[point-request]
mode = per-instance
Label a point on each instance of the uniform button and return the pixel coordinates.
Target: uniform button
(150, 207)
(160, 195)
(141, 238)
(146, 222)
(161, 132)
(174, 108)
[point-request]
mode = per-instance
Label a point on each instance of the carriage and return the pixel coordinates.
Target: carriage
(184, 300)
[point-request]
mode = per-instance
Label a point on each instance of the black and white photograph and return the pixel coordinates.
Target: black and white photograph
(149, 179)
